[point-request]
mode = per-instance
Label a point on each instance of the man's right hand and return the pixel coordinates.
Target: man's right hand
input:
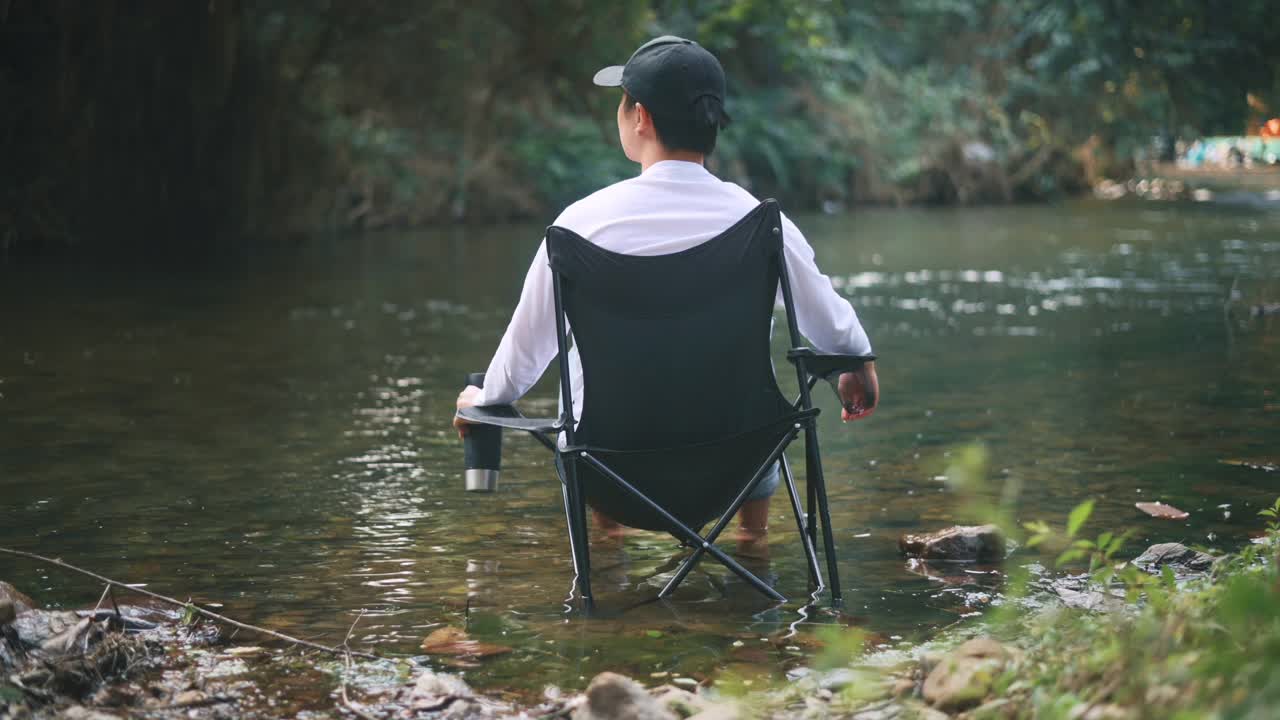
(859, 393)
(466, 399)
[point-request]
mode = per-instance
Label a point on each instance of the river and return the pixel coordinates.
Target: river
(271, 432)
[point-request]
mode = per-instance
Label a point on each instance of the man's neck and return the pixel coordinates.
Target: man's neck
(657, 155)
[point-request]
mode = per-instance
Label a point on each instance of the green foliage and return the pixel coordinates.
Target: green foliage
(835, 102)
(1273, 512)
(1208, 648)
(361, 113)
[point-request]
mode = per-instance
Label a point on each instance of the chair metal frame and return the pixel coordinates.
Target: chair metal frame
(810, 366)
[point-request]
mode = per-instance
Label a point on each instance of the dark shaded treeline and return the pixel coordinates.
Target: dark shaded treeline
(150, 121)
(173, 126)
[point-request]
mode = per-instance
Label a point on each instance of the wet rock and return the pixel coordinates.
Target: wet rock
(616, 697)
(188, 697)
(999, 709)
(38, 627)
(721, 711)
(439, 691)
(1181, 558)
(431, 685)
(21, 602)
(681, 702)
(77, 712)
(963, 678)
(75, 639)
(837, 680)
(1100, 712)
(8, 613)
(11, 649)
(118, 622)
(903, 687)
(960, 543)
(1079, 592)
(884, 710)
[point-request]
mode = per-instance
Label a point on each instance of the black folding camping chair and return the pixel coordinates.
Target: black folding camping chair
(682, 416)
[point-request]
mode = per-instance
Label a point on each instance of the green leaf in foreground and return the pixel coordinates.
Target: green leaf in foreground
(1078, 517)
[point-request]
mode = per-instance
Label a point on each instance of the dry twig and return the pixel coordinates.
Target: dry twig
(340, 650)
(357, 708)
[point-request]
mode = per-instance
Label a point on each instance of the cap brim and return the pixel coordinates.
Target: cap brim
(609, 77)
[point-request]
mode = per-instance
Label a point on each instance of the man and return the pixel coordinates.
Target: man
(671, 111)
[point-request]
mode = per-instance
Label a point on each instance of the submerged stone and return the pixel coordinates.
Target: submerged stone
(960, 543)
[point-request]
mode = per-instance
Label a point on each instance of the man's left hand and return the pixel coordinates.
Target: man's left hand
(859, 393)
(466, 399)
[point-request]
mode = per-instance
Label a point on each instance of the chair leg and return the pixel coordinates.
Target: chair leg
(580, 504)
(571, 524)
(818, 489)
(811, 527)
(810, 555)
(578, 541)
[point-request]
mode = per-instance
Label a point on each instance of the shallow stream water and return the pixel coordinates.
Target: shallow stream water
(272, 433)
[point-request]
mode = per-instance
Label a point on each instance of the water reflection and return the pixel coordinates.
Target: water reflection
(275, 435)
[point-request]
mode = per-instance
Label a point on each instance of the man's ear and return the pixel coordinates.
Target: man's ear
(643, 121)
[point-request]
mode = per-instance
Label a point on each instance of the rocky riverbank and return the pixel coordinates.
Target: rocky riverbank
(116, 661)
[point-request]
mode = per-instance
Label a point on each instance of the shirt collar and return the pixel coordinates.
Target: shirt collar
(680, 169)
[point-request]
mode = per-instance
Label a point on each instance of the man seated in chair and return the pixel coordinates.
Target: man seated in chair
(671, 111)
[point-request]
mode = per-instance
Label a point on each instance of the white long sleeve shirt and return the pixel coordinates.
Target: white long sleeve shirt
(670, 207)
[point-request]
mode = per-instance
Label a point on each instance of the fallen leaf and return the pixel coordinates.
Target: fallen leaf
(444, 636)
(452, 641)
(1263, 465)
(244, 650)
(1160, 510)
(67, 640)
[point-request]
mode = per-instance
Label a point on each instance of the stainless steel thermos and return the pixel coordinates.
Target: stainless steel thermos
(482, 450)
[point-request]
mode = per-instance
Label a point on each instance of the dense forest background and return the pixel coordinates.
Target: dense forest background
(155, 124)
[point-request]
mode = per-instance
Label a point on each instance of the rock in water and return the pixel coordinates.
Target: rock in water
(682, 703)
(960, 543)
(963, 678)
(77, 712)
(41, 626)
(21, 603)
(611, 696)
(8, 613)
(433, 690)
(1181, 558)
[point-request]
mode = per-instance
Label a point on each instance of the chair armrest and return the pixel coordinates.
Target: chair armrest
(823, 365)
(829, 367)
(507, 416)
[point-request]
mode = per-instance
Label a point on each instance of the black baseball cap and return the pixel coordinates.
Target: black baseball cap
(671, 76)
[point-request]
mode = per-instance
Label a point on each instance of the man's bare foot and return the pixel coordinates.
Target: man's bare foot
(753, 542)
(607, 525)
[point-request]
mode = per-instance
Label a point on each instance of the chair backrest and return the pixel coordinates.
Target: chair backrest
(674, 348)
